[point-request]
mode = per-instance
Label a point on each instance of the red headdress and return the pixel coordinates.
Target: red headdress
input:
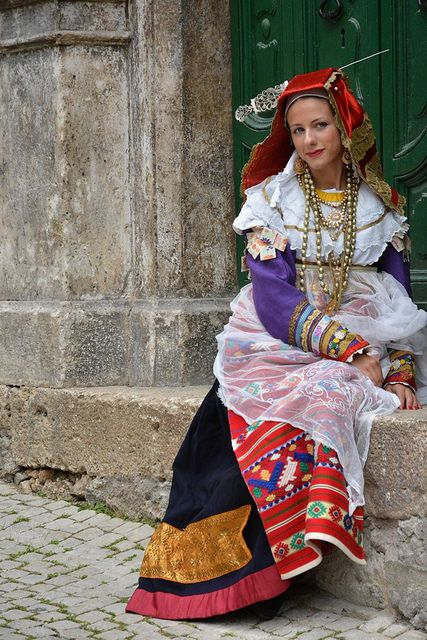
(270, 156)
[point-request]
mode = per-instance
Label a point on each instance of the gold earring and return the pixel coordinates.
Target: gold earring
(346, 157)
(300, 166)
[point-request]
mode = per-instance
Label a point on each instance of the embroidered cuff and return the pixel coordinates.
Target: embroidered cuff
(402, 369)
(312, 330)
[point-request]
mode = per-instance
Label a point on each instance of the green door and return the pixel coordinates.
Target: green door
(275, 39)
(403, 89)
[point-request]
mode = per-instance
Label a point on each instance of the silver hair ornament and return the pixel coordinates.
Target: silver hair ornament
(267, 99)
(264, 101)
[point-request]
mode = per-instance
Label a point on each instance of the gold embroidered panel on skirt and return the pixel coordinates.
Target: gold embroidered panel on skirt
(204, 550)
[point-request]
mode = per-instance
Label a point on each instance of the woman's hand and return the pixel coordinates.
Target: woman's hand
(408, 399)
(370, 366)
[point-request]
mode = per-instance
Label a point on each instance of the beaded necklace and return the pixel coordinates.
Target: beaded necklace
(344, 221)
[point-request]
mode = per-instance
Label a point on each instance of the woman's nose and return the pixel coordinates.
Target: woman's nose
(310, 137)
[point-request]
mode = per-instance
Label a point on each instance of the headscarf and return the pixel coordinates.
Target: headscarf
(271, 156)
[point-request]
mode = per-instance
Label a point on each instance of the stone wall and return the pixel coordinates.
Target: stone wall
(116, 191)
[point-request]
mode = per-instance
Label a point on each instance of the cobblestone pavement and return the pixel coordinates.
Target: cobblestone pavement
(67, 573)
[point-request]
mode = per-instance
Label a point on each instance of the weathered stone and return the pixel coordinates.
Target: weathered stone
(191, 330)
(20, 476)
(96, 348)
(395, 574)
(105, 432)
(5, 413)
(46, 474)
(30, 343)
(35, 484)
(54, 15)
(136, 496)
(98, 209)
(25, 486)
(395, 480)
(183, 199)
(41, 475)
(77, 240)
(336, 573)
(80, 487)
(8, 468)
(408, 590)
(109, 343)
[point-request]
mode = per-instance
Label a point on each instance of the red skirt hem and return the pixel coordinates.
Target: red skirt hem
(262, 585)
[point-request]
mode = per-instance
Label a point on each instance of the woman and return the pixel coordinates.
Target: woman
(270, 475)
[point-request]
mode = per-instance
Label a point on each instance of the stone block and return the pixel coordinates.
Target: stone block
(408, 592)
(31, 337)
(183, 199)
(5, 409)
(108, 432)
(395, 575)
(135, 495)
(96, 347)
(8, 467)
(174, 341)
(94, 172)
(395, 477)
(164, 343)
(25, 19)
(65, 230)
(82, 16)
(55, 345)
(208, 193)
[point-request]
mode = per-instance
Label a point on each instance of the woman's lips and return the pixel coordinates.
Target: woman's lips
(314, 154)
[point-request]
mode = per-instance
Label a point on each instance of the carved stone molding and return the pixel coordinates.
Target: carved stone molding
(13, 4)
(49, 23)
(63, 39)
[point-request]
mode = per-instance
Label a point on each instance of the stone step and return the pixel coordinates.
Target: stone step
(119, 431)
(125, 439)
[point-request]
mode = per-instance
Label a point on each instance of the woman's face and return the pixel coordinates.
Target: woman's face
(315, 135)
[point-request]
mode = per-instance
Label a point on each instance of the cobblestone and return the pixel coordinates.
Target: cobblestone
(394, 630)
(66, 573)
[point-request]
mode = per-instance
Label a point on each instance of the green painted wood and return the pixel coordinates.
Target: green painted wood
(404, 79)
(263, 55)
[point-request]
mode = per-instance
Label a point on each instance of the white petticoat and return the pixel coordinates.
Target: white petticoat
(262, 378)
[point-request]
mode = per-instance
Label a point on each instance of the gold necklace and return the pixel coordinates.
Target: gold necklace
(333, 223)
(340, 265)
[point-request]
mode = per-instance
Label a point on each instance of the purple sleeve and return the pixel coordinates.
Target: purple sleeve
(392, 262)
(275, 294)
(287, 315)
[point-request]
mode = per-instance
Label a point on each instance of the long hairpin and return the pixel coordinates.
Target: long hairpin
(267, 99)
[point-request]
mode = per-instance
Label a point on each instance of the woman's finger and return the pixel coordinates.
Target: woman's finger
(407, 398)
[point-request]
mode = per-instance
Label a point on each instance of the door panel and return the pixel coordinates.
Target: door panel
(404, 78)
(263, 56)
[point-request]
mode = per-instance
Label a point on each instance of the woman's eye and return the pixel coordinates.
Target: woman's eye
(322, 125)
(297, 130)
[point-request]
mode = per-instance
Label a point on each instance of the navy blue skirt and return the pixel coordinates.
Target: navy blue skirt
(210, 555)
